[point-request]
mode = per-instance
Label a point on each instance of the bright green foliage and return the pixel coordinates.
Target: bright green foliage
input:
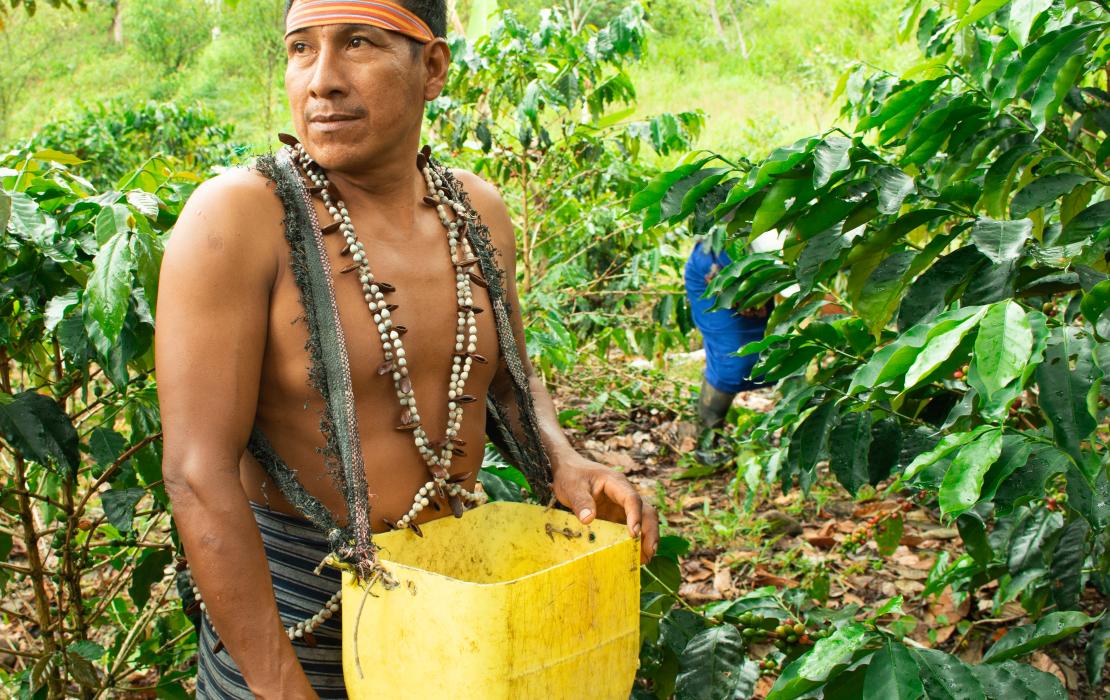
(962, 231)
(543, 114)
(114, 139)
(79, 421)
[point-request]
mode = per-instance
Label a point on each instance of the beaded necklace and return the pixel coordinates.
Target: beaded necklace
(436, 454)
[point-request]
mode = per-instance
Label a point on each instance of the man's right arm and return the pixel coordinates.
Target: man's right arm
(212, 316)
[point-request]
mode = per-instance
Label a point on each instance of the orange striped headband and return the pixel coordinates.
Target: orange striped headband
(378, 13)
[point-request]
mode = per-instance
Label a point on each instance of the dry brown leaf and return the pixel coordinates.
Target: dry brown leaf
(694, 502)
(868, 509)
(908, 588)
(971, 650)
(910, 573)
(941, 533)
(1042, 662)
(762, 577)
(722, 581)
(698, 593)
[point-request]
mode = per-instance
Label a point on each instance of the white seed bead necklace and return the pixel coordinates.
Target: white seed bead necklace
(437, 454)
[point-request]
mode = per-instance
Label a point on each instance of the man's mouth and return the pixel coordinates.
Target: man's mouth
(332, 117)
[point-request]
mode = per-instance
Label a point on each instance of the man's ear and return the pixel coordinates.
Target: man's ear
(437, 59)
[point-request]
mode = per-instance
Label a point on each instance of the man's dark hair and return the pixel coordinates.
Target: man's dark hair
(433, 12)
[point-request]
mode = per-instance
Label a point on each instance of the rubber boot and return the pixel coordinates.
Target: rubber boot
(713, 407)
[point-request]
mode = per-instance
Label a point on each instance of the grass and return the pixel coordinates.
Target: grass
(779, 92)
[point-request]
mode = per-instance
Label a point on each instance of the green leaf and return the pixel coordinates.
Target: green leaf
(37, 426)
(57, 157)
(807, 445)
(1097, 647)
(678, 627)
(1023, 13)
(900, 109)
(980, 10)
(119, 506)
(964, 478)
(1000, 176)
(1003, 345)
(833, 651)
(1093, 222)
(1067, 564)
(894, 186)
(90, 651)
(148, 572)
(937, 286)
(5, 210)
(58, 306)
(1044, 191)
(974, 535)
(1069, 392)
(773, 205)
(824, 661)
(947, 445)
(1059, 78)
(849, 444)
(829, 158)
(1001, 241)
(655, 190)
(713, 665)
(1011, 680)
(882, 291)
(942, 341)
(109, 288)
(1026, 638)
(112, 219)
(892, 674)
(498, 487)
(1031, 538)
(106, 445)
(945, 677)
(888, 534)
(1093, 307)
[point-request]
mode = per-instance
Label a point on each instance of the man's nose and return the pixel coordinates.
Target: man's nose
(328, 73)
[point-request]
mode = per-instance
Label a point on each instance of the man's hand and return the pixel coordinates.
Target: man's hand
(590, 489)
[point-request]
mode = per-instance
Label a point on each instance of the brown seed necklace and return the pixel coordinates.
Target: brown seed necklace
(437, 454)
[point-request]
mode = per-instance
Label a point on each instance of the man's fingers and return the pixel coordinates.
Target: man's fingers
(650, 542)
(581, 502)
(623, 493)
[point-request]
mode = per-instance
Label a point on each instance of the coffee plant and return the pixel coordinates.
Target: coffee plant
(113, 139)
(88, 575)
(545, 115)
(941, 325)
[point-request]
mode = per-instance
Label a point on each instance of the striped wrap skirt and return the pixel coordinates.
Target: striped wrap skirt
(294, 548)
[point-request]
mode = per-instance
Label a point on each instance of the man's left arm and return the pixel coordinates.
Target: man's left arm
(589, 489)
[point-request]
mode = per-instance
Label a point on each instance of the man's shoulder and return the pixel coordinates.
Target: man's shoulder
(490, 205)
(239, 189)
(234, 214)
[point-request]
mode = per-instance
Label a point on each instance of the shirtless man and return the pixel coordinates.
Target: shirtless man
(231, 346)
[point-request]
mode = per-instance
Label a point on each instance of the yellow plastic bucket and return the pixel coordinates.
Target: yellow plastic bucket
(511, 601)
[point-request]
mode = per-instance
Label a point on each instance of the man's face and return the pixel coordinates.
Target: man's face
(357, 92)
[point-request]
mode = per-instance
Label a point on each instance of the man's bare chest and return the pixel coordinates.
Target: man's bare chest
(424, 282)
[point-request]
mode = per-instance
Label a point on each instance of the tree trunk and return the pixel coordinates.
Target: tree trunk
(716, 16)
(117, 22)
(456, 21)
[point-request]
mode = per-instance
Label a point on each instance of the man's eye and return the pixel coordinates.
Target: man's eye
(359, 41)
(299, 47)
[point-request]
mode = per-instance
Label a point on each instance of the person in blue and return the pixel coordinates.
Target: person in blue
(724, 332)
